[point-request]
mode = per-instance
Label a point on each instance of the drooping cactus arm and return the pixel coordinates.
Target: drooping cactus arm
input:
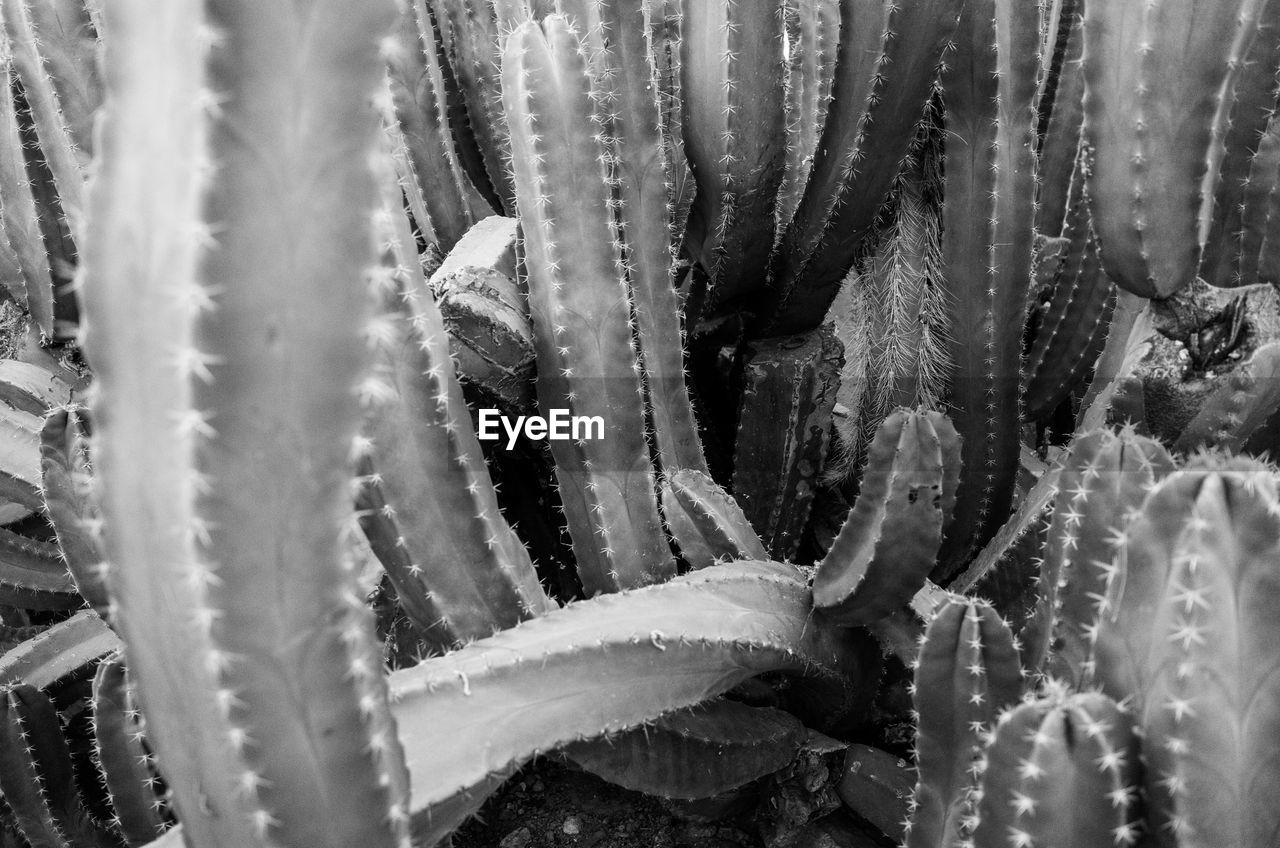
(226, 334)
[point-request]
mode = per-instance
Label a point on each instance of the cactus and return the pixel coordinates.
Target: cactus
(127, 768)
(813, 30)
(1060, 770)
(59, 651)
(65, 481)
(581, 308)
(705, 521)
(967, 673)
(252, 329)
(890, 540)
(1246, 401)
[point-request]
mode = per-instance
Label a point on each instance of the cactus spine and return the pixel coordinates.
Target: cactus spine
(278, 731)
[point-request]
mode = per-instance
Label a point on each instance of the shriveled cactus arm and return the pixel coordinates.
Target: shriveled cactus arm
(226, 334)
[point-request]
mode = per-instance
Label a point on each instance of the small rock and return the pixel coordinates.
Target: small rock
(572, 826)
(521, 837)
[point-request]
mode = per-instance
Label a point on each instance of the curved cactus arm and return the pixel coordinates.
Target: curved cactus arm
(1061, 770)
(68, 503)
(966, 674)
(695, 753)
(1128, 341)
(469, 34)
(886, 69)
(1245, 401)
(65, 163)
(26, 272)
(601, 666)
(1149, 185)
(734, 137)
(1212, 714)
(245, 407)
(463, 556)
(125, 764)
(581, 308)
(48, 807)
(813, 30)
(705, 521)
(889, 542)
(989, 89)
(1060, 106)
(34, 576)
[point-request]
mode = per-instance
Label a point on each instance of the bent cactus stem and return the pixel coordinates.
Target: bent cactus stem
(470, 718)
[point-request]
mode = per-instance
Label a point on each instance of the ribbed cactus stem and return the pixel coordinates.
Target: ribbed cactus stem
(122, 757)
(966, 674)
(226, 338)
(705, 521)
(581, 307)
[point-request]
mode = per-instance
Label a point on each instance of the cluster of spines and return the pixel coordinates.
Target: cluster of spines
(581, 306)
(966, 674)
(988, 86)
(889, 542)
(1059, 770)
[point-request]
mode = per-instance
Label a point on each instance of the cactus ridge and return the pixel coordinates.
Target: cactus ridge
(1073, 326)
(889, 542)
(1060, 770)
(37, 777)
(33, 574)
(706, 523)
(59, 651)
(967, 673)
(429, 468)
(68, 503)
(581, 309)
(127, 768)
(1059, 104)
(589, 668)
(988, 87)
(699, 752)
(883, 83)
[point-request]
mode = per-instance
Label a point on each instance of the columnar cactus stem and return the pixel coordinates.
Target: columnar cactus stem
(813, 30)
(966, 674)
(581, 308)
(69, 504)
(239, 388)
(123, 759)
(1248, 398)
(734, 136)
(989, 89)
(1156, 166)
(706, 522)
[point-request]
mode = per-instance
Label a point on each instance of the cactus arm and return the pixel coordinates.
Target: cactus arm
(469, 34)
(705, 521)
(33, 575)
(49, 809)
(813, 30)
(886, 69)
(246, 408)
(68, 45)
(1149, 186)
(1059, 104)
(123, 760)
(56, 145)
(1248, 397)
(695, 753)
(1128, 340)
(986, 245)
(64, 476)
(966, 674)
(55, 653)
(1218, 691)
(734, 137)
(449, 200)
(32, 285)
(1009, 749)
(581, 310)
(1073, 328)
(1241, 133)
(888, 543)
(464, 557)
(601, 666)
